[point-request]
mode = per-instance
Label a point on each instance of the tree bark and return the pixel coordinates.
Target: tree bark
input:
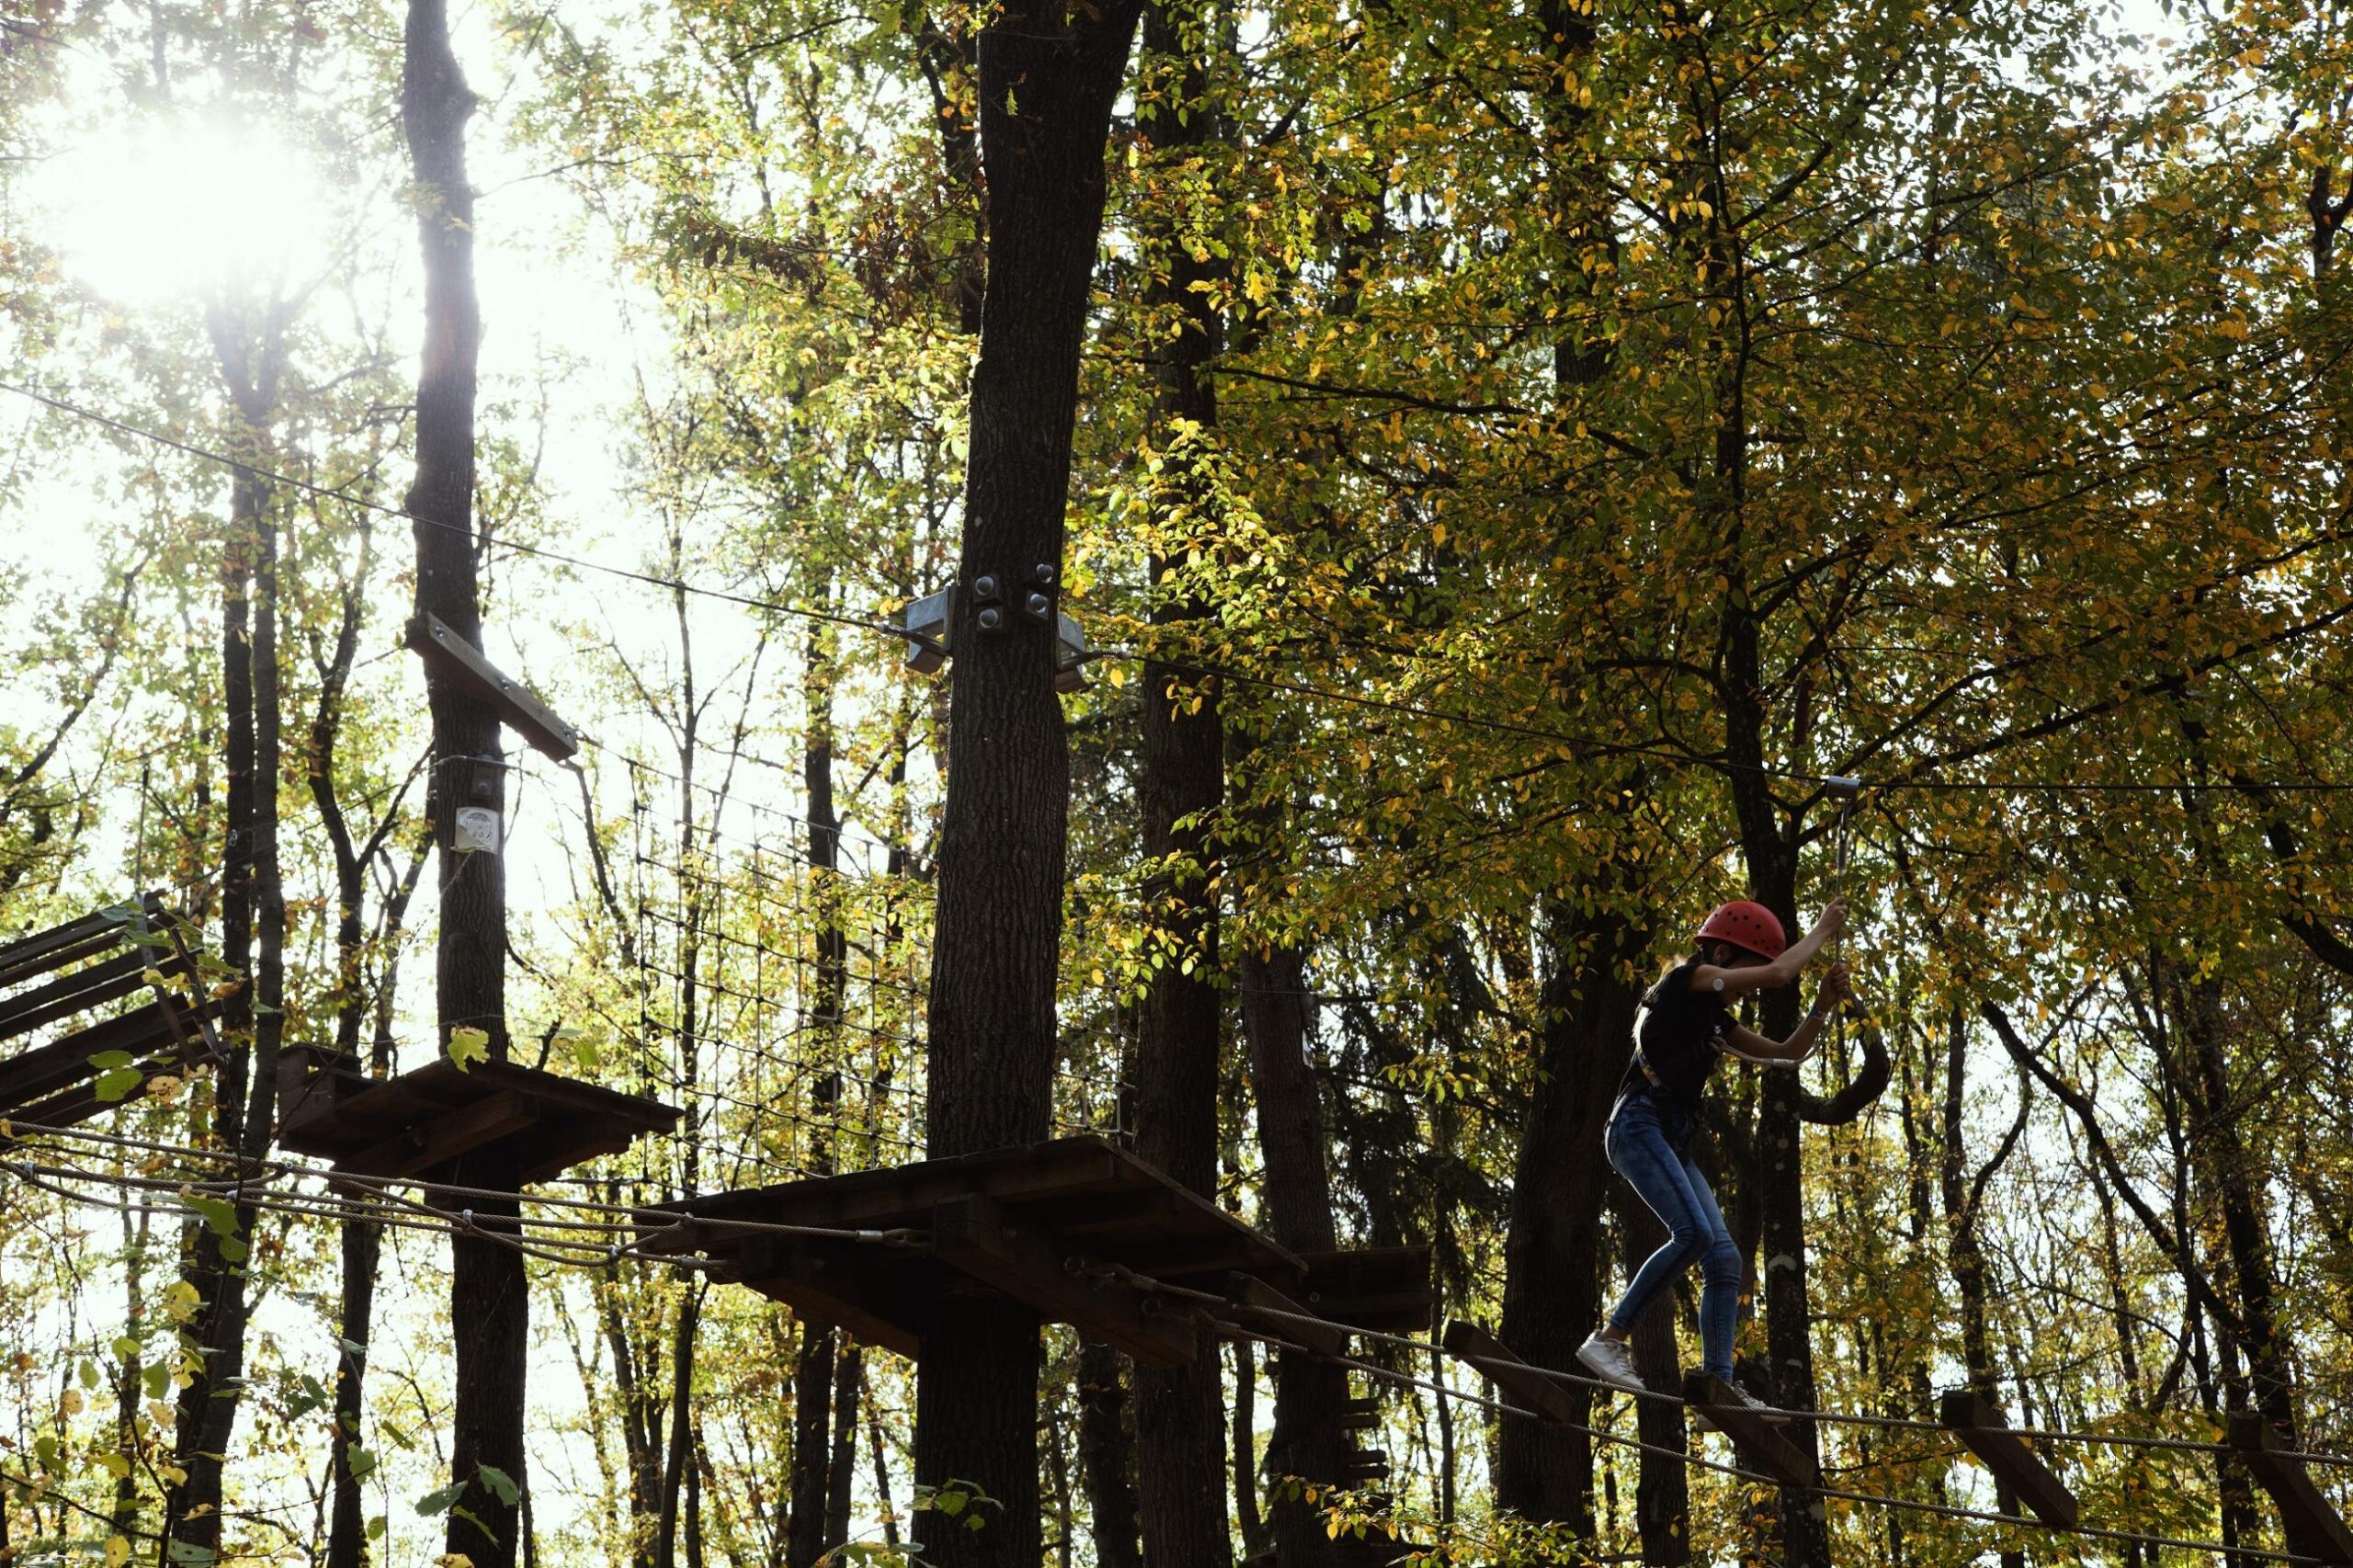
(1047, 82)
(1553, 1251)
(1107, 1456)
(1306, 1447)
(251, 359)
(1180, 1416)
(489, 1296)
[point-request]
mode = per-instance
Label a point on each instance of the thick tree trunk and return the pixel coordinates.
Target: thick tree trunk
(1552, 1253)
(1107, 1456)
(489, 1296)
(1047, 81)
(1180, 1416)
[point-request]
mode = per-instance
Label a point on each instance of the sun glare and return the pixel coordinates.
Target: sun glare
(164, 211)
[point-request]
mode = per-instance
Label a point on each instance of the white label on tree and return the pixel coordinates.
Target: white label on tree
(477, 831)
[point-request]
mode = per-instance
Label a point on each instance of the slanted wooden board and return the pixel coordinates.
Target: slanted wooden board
(1244, 1292)
(1972, 1418)
(1533, 1386)
(452, 658)
(95, 965)
(1758, 1437)
(2301, 1507)
(417, 1125)
(1066, 1227)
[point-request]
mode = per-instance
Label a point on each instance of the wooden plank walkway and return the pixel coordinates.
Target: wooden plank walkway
(422, 1127)
(1078, 1228)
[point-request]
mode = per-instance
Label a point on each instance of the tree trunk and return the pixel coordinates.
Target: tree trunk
(849, 1384)
(1107, 1456)
(1552, 1253)
(1047, 82)
(1663, 1487)
(253, 905)
(813, 1382)
(1180, 1416)
(489, 1296)
(1307, 1445)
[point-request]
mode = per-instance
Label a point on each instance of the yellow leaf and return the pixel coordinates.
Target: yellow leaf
(117, 1552)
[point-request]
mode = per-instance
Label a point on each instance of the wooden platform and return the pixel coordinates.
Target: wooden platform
(95, 1008)
(418, 1126)
(1053, 1225)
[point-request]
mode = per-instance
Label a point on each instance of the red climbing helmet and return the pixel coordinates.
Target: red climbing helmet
(1749, 926)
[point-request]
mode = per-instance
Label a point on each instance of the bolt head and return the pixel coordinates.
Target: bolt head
(991, 619)
(985, 585)
(1042, 573)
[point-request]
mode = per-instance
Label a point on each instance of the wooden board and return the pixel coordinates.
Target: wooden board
(449, 658)
(2311, 1524)
(1972, 1418)
(88, 979)
(1481, 1351)
(1242, 1291)
(1387, 1290)
(1758, 1437)
(1061, 1226)
(417, 1125)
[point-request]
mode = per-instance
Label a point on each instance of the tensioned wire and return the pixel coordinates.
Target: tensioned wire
(1873, 1499)
(1582, 745)
(411, 1214)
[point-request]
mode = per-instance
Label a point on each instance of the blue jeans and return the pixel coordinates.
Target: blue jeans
(1672, 1186)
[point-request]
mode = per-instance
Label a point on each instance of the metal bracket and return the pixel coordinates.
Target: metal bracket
(926, 623)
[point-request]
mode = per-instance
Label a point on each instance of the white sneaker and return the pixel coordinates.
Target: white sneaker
(1612, 1361)
(1774, 1417)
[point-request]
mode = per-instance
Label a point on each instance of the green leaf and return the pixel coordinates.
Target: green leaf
(502, 1485)
(474, 1519)
(105, 1059)
(117, 1082)
(158, 1379)
(435, 1502)
(217, 1213)
(468, 1045)
(191, 1555)
(359, 1462)
(378, 1526)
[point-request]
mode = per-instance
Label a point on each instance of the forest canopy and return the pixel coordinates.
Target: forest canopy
(693, 596)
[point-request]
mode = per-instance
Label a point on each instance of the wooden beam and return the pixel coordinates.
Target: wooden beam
(1242, 1291)
(1972, 1418)
(1038, 1269)
(1550, 1398)
(826, 1283)
(1360, 1415)
(424, 1145)
(2303, 1509)
(459, 664)
(1758, 1437)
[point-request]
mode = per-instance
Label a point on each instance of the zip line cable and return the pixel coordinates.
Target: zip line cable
(411, 1213)
(1584, 746)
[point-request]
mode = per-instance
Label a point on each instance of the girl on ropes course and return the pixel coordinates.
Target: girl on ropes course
(1687, 1023)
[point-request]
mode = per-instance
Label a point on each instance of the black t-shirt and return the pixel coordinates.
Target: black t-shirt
(1681, 1033)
